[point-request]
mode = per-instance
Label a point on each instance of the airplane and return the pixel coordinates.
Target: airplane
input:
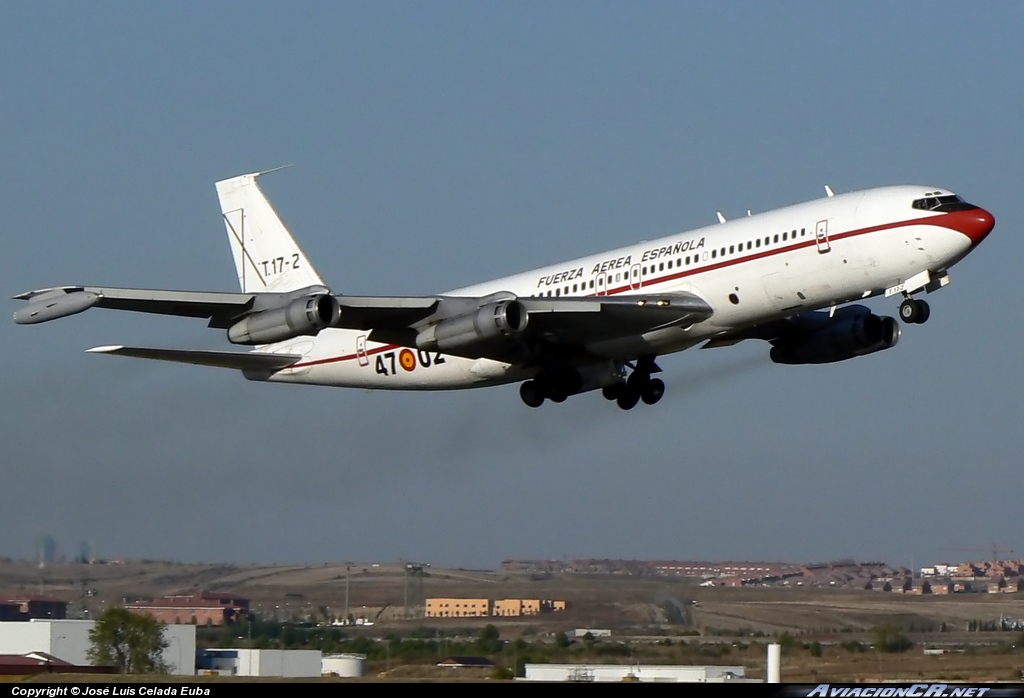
(790, 277)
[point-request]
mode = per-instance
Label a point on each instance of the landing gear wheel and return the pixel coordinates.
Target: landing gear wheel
(909, 311)
(652, 391)
(531, 394)
(923, 312)
(628, 399)
(558, 396)
(612, 392)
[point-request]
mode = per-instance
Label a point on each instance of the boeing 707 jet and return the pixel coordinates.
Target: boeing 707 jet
(791, 277)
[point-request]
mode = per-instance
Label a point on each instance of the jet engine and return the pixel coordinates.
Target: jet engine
(302, 316)
(491, 321)
(820, 339)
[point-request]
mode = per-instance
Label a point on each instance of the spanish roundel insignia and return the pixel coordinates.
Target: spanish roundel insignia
(407, 359)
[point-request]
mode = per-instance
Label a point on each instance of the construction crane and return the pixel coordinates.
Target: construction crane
(416, 569)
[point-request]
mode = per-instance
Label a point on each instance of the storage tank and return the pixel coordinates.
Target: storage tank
(344, 665)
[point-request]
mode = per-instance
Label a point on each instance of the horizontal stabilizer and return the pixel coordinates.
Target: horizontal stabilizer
(251, 361)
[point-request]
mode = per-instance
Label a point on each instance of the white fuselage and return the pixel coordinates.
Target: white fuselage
(750, 270)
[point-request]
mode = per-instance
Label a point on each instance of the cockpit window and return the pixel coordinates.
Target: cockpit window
(943, 203)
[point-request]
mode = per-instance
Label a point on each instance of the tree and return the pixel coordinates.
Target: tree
(889, 638)
(132, 642)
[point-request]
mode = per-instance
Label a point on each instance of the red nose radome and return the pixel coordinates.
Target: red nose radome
(975, 223)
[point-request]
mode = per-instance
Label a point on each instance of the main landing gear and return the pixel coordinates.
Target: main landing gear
(914, 312)
(555, 387)
(639, 386)
(559, 385)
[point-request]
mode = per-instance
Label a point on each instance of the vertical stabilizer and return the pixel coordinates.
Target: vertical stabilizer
(266, 256)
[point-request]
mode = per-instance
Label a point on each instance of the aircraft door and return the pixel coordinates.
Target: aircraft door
(361, 356)
(634, 277)
(821, 237)
(601, 284)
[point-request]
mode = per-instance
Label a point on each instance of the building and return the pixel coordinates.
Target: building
(68, 640)
(246, 662)
(10, 611)
(475, 608)
(636, 672)
(202, 608)
(35, 663)
(24, 607)
(457, 608)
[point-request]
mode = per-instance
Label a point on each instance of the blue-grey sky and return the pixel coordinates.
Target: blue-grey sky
(436, 145)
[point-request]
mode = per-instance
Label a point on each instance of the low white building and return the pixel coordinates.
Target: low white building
(69, 640)
(247, 662)
(636, 672)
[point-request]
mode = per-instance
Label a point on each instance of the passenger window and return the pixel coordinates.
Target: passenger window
(591, 283)
(558, 292)
(803, 231)
(785, 236)
(661, 266)
(618, 276)
(687, 261)
(757, 243)
(714, 253)
(670, 264)
(574, 286)
(749, 244)
(767, 241)
(732, 249)
(776, 237)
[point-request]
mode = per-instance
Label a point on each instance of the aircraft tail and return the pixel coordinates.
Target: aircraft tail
(266, 256)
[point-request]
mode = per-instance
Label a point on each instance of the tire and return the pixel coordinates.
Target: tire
(531, 394)
(653, 391)
(909, 312)
(612, 392)
(923, 312)
(637, 381)
(628, 399)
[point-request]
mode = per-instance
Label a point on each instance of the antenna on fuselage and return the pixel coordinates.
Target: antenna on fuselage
(721, 218)
(828, 190)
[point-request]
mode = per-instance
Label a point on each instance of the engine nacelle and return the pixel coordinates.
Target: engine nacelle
(491, 321)
(302, 316)
(843, 338)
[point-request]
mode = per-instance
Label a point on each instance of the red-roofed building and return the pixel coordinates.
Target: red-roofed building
(202, 608)
(43, 663)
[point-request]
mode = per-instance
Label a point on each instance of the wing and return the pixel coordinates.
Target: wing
(507, 328)
(51, 303)
(222, 309)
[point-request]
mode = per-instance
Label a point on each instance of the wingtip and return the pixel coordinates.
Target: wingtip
(105, 349)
